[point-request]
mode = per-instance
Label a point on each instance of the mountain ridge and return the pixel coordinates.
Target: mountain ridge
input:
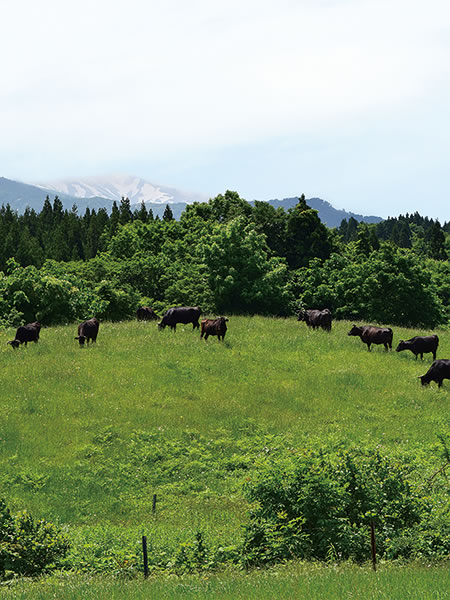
(21, 195)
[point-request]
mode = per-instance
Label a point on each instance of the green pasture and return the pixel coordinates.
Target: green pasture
(299, 581)
(88, 435)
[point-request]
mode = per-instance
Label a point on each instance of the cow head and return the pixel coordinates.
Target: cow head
(424, 379)
(401, 346)
(161, 325)
(355, 330)
(301, 315)
(81, 339)
(14, 343)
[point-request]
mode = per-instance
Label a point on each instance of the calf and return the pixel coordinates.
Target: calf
(25, 334)
(214, 327)
(439, 370)
(420, 345)
(373, 335)
(88, 330)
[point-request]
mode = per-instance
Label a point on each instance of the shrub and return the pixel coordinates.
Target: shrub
(28, 547)
(321, 506)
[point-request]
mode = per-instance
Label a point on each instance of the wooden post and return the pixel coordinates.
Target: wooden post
(154, 504)
(144, 551)
(372, 543)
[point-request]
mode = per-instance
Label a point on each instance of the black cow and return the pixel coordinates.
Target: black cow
(26, 333)
(88, 330)
(373, 335)
(420, 345)
(146, 313)
(181, 314)
(214, 327)
(316, 318)
(439, 370)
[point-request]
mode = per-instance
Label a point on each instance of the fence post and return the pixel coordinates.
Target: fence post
(144, 551)
(372, 543)
(154, 504)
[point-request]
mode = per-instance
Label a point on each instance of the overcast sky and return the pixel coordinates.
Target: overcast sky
(347, 100)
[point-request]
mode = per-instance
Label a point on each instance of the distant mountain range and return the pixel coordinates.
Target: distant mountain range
(94, 192)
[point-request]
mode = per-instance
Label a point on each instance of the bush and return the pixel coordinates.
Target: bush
(321, 505)
(28, 547)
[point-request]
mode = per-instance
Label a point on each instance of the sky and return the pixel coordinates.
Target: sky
(346, 100)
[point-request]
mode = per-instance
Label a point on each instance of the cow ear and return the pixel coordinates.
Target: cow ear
(77, 338)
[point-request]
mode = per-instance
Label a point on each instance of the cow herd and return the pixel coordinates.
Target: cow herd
(369, 334)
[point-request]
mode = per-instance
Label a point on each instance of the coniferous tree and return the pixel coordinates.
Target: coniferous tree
(142, 213)
(125, 215)
(114, 219)
(306, 235)
(436, 239)
(58, 211)
(168, 214)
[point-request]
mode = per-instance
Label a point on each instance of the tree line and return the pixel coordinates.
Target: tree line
(224, 255)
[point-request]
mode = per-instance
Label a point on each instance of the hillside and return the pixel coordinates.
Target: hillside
(154, 412)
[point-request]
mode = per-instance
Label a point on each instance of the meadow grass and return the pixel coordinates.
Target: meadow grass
(87, 435)
(297, 580)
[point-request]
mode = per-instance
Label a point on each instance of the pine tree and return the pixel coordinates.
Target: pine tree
(125, 215)
(142, 213)
(168, 214)
(114, 219)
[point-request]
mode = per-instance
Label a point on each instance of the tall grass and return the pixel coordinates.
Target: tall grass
(293, 581)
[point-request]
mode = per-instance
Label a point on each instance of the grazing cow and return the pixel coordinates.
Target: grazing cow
(316, 318)
(146, 313)
(181, 314)
(373, 335)
(88, 330)
(25, 334)
(214, 327)
(439, 370)
(420, 345)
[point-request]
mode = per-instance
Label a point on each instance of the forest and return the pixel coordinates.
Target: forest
(226, 256)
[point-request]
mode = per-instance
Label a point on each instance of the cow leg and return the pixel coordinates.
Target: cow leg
(386, 347)
(440, 382)
(368, 346)
(434, 355)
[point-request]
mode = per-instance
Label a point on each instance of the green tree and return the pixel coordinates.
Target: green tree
(242, 276)
(436, 240)
(306, 235)
(125, 214)
(168, 214)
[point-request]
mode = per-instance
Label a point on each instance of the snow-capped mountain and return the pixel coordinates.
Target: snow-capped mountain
(115, 187)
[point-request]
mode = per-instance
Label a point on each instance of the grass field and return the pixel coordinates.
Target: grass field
(87, 435)
(306, 582)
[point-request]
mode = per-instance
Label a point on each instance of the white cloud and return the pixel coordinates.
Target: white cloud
(102, 81)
